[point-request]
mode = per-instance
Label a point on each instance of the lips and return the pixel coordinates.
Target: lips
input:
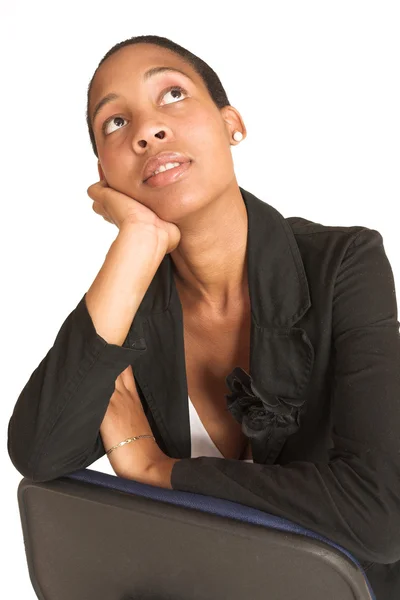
(169, 176)
(162, 158)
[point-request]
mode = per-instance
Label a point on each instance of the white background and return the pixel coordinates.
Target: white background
(317, 85)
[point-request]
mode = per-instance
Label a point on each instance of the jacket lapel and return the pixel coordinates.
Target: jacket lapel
(281, 355)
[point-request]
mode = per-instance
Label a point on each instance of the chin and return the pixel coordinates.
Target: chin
(179, 206)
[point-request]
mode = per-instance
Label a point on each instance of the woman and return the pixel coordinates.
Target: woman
(208, 290)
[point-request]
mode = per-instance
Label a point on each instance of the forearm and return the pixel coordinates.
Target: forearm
(146, 465)
(115, 295)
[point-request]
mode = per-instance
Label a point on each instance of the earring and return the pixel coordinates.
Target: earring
(237, 136)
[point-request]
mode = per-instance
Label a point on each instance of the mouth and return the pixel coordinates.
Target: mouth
(169, 176)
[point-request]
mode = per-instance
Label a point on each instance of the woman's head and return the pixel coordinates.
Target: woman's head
(149, 117)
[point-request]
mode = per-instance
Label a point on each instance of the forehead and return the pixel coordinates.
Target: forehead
(128, 65)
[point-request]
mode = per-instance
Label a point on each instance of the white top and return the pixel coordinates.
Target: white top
(202, 444)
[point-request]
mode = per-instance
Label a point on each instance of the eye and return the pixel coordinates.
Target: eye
(174, 88)
(104, 126)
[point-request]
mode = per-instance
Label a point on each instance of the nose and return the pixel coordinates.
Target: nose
(160, 134)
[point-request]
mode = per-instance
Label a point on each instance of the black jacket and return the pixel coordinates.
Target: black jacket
(325, 377)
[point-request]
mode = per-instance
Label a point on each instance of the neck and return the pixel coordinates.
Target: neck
(210, 266)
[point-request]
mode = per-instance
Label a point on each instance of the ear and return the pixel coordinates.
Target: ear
(233, 121)
(101, 173)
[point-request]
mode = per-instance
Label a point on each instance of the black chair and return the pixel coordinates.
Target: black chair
(91, 535)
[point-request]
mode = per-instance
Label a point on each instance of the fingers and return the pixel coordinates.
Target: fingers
(98, 209)
(93, 192)
(99, 184)
(101, 199)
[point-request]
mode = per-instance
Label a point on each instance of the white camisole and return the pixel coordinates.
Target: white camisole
(202, 444)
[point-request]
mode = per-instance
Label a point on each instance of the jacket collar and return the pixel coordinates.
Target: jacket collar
(281, 356)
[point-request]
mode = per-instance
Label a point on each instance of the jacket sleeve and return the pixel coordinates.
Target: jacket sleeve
(353, 498)
(55, 426)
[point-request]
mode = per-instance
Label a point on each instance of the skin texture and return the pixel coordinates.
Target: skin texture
(207, 206)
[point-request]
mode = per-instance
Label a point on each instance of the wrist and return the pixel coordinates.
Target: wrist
(154, 240)
(159, 474)
(135, 458)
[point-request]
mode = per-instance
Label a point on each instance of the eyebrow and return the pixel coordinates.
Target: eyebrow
(146, 76)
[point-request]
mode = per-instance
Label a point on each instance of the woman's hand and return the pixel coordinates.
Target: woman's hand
(119, 209)
(142, 459)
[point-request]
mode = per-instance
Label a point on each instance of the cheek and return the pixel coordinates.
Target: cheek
(202, 125)
(205, 136)
(116, 162)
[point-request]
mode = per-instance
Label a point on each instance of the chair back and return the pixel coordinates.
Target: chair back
(91, 535)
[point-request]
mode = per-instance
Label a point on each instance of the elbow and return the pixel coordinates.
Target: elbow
(22, 468)
(383, 538)
(384, 548)
(22, 456)
(381, 535)
(385, 530)
(26, 468)
(44, 474)
(371, 486)
(52, 465)
(45, 469)
(18, 453)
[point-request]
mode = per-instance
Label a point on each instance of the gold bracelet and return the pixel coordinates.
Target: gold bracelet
(132, 439)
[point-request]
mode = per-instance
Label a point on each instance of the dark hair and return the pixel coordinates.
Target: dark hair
(209, 76)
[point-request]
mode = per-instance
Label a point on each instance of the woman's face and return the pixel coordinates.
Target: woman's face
(126, 130)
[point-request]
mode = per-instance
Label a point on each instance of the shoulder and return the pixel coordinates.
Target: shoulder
(328, 239)
(305, 227)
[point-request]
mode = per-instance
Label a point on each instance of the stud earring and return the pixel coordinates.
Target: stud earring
(237, 136)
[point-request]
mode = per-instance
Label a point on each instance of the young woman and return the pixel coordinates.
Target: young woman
(222, 348)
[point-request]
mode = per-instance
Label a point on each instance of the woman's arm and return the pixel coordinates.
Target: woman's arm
(54, 428)
(354, 498)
